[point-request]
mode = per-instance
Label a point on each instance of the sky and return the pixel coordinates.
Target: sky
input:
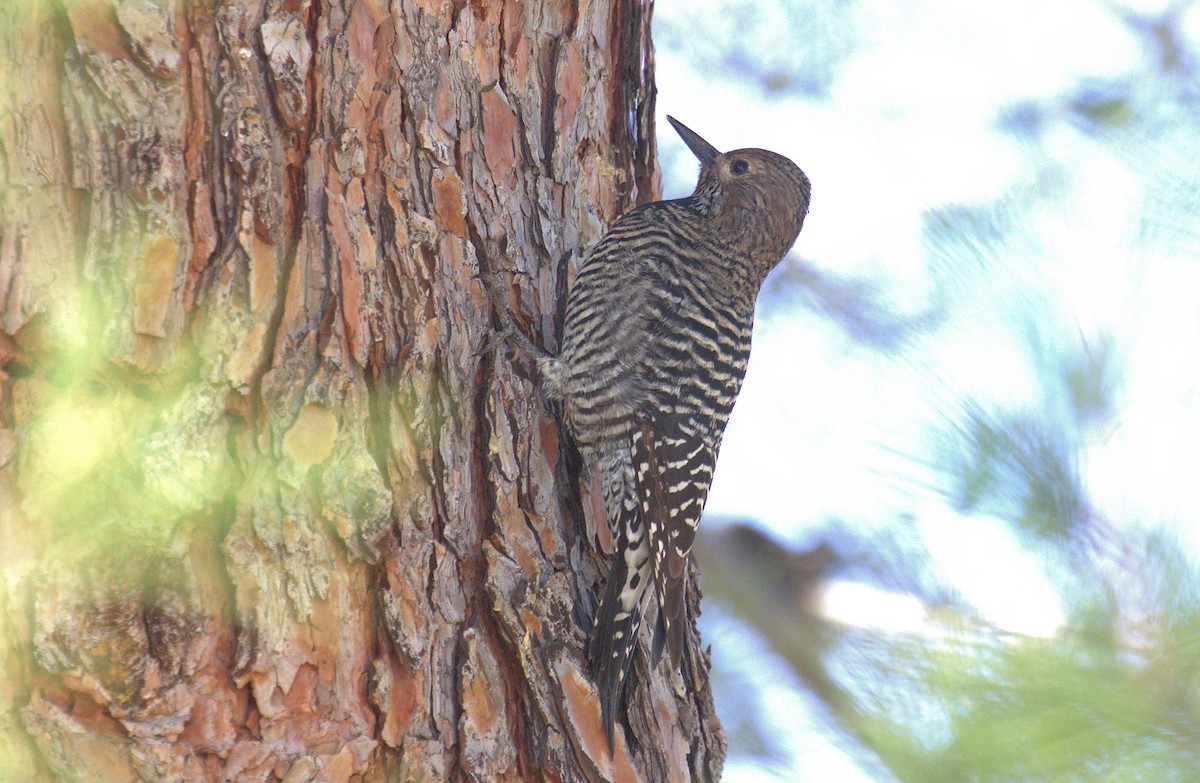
(911, 120)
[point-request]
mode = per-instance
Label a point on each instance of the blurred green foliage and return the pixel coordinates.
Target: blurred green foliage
(104, 447)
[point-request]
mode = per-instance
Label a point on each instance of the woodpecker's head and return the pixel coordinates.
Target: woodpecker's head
(759, 197)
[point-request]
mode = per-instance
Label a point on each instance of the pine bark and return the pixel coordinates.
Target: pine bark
(269, 509)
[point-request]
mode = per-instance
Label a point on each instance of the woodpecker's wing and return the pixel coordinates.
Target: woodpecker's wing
(673, 471)
(657, 495)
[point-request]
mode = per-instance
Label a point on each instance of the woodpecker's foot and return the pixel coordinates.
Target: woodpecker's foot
(513, 337)
(508, 333)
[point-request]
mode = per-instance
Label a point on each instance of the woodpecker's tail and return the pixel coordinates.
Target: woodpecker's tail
(614, 639)
(619, 618)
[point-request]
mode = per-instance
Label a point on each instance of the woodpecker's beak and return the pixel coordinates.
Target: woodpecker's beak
(699, 147)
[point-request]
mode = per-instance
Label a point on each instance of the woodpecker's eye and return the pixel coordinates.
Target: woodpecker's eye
(739, 167)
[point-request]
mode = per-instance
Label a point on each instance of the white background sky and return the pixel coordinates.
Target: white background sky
(828, 429)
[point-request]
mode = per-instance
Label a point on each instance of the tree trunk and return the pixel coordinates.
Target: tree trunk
(269, 510)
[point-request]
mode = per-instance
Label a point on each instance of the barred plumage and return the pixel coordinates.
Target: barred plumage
(655, 346)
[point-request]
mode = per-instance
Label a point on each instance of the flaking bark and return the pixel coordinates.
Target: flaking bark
(268, 513)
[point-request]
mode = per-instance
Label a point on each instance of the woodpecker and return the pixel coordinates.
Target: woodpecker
(654, 349)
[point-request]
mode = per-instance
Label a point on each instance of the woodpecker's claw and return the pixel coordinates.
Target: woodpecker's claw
(492, 344)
